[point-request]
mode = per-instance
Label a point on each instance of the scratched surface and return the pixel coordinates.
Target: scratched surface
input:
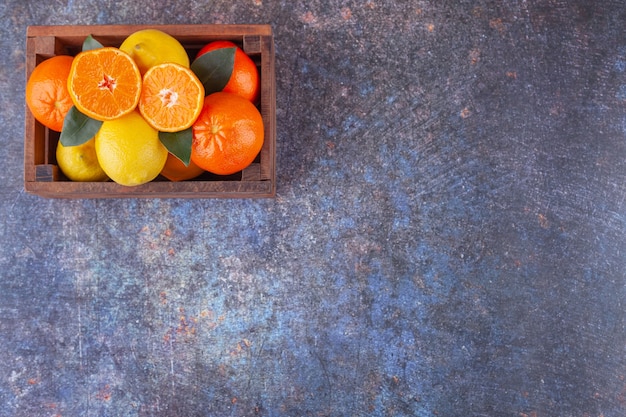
(448, 236)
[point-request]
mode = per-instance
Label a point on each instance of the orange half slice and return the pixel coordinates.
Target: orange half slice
(104, 83)
(172, 97)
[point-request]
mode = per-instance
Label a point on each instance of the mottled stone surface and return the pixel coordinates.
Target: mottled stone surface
(447, 239)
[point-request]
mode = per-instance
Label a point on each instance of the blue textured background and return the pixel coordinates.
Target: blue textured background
(447, 237)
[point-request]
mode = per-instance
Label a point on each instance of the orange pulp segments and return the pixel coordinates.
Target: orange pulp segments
(104, 83)
(171, 97)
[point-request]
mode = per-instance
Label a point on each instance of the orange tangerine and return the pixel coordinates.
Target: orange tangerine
(175, 169)
(244, 80)
(46, 91)
(228, 135)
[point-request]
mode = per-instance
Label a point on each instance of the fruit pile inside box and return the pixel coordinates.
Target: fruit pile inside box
(150, 111)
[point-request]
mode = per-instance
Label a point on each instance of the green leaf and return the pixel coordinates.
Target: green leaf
(90, 43)
(214, 69)
(178, 144)
(78, 128)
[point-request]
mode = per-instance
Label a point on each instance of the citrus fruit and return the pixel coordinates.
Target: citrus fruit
(171, 97)
(150, 47)
(175, 170)
(46, 91)
(80, 163)
(228, 134)
(104, 83)
(244, 79)
(129, 150)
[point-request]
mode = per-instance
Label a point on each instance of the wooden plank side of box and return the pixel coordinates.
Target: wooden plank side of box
(162, 189)
(113, 35)
(268, 109)
(195, 31)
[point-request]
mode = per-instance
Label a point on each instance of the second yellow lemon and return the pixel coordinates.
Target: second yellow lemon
(129, 150)
(150, 47)
(80, 163)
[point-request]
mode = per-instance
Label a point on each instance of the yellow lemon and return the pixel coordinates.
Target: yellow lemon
(80, 163)
(150, 47)
(129, 150)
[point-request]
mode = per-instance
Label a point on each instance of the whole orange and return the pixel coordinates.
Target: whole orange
(228, 134)
(244, 79)
(176, 170)
(46, 91)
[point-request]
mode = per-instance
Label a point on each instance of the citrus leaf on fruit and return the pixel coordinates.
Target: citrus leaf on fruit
(214, 69)
(178, 144)
(90, 43)
(78, 128)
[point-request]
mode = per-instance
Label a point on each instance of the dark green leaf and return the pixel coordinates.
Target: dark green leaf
(214, 69)
(78, 128)
(178, 144)
(90, 43)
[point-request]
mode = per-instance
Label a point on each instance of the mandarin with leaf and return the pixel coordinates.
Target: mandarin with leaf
(175, 170)
(244, 79)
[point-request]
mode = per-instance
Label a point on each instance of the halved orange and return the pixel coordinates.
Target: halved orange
(172, 97)
(104, 83)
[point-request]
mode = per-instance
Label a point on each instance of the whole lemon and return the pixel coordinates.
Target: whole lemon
(80, 163)
(150, 47)
(129, 150)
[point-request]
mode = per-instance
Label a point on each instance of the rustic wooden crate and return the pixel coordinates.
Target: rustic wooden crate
(44, 178)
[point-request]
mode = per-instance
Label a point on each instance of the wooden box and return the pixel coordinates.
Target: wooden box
(44, 178)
